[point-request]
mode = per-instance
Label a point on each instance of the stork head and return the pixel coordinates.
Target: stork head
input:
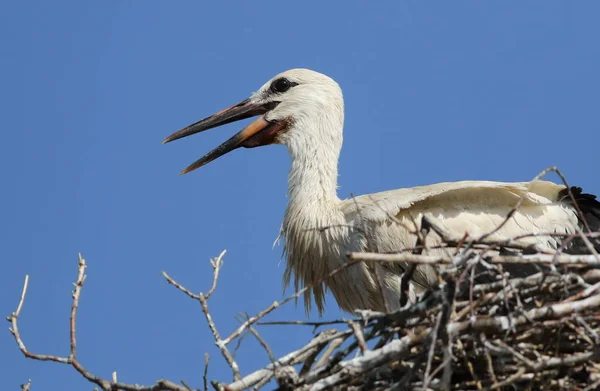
(296, 107)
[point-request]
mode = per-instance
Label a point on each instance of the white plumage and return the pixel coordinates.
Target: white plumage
(304, 111)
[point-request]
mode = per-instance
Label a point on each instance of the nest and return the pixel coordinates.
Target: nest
(539, 332)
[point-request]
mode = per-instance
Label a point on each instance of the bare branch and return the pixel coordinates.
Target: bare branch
(539, 259)
(26, 386)
(71, 360)
(75, 305)
(289, 359)
(263, 343)
(216, 263)
(358, 334)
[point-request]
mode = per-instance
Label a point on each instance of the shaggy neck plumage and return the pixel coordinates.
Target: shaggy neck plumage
(313, 206)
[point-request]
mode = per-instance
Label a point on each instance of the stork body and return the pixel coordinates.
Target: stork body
(303, 110)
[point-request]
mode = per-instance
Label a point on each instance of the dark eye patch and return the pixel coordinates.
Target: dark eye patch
(282, 85)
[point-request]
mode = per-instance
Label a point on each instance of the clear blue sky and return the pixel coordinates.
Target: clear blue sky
(444, 92)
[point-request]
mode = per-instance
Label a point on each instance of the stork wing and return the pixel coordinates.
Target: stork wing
(474, 207)
(380, 206)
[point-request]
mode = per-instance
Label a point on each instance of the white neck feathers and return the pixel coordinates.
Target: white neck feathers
(312, 219)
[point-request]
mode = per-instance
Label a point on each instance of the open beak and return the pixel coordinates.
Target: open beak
(260, 132)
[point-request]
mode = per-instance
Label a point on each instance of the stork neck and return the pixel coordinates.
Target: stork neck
(313, 176)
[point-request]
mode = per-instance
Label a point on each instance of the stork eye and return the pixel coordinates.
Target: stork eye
(281, 85)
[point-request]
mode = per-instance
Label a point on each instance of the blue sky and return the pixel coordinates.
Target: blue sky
(433, 92)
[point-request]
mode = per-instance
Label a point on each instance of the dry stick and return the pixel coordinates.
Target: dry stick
(448, 308)
(371, 359)
(488, 359)
(336, 343)
(75, 306)
(292, 358)
(513, 352)
(13, 319)
(303, 323)
(584, 293)
(263, 343)
(106, 385)
(440, 330)
(587, 328)
(434, 334)
(554, 362)
(358, 333)
(202, 298)
(580, 331)
(541, 259)
(264, 381)
(310, 359)
(238, 345)
(205, 375)
(534, 280)
(26, 386)
(22, 299)
(509, 380)
(593, 386)
(471, 289)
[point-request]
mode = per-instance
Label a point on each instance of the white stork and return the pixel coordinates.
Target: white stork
(304, 110)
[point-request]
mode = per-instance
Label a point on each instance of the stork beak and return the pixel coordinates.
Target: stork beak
(260, 132)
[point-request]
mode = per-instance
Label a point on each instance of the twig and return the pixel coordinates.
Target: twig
(74, 307)
(360, 338)
(26, 386)
(205, 374)
(302, 323)
(593, 386)
(216, 263)
(289, 359)
(541, 259)
(106, 385)
(203, 299)
(434, 334)
(263, 343)
(335, 343)
(509, 380)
